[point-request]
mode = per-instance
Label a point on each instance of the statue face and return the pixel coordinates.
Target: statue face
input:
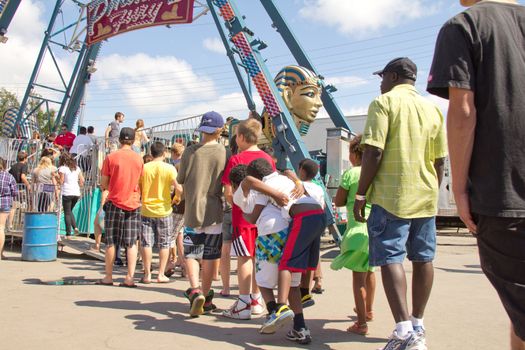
(304, 101)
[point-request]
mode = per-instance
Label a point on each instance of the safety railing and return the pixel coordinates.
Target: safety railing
(37, 198)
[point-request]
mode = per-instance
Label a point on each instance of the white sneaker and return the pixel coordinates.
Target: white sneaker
(240, 310)
(301, 336)
(419, 342)
(258, 306)
(411, 342)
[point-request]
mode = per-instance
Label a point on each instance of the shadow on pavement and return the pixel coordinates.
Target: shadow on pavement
(240, 333)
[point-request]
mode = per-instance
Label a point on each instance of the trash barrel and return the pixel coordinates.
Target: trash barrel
(39, 242)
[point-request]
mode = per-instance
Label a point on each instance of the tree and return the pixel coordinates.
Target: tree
(7, 100)
(44, 118)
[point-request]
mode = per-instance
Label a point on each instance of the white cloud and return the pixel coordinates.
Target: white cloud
(233, 104)
(19, 54)
(358, 18)
(150, 84)
(348, 81)
(214, 45)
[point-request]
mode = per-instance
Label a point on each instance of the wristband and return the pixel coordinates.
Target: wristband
(360, 197)
(298, 182)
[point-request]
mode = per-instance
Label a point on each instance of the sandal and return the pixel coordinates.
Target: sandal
(356, 328)
(369, 315)
(317, 289)
(125, 285)
(144, 281)
(102, 283)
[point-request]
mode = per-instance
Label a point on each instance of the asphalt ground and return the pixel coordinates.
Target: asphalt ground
(464, 311)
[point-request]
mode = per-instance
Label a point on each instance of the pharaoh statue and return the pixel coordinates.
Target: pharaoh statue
(300, 89)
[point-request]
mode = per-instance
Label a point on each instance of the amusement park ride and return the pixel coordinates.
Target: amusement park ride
(97, 21)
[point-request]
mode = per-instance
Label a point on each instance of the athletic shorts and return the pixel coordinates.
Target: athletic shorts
(391, 238)
(501, 243)
(201, 245)
(268, 253)
(243, 241)
(157, 231)
(267, 275)
(122, 227)
(301, 251)
(227, 227)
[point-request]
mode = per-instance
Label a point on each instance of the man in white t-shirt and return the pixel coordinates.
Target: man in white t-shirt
(82, 142)
(82, 149)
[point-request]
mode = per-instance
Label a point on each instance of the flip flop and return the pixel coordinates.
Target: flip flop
(317, 290)
(125, 285)
(102, 283)
(144, 281)
(225, 295)
(169, 273)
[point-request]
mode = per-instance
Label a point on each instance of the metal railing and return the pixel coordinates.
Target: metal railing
(36, 198)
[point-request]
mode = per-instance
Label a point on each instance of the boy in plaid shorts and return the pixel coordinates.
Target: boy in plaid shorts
(157, 221)
(121, 172)
(200, 174)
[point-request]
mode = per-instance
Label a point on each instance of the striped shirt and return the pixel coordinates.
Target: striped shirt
(8, 190)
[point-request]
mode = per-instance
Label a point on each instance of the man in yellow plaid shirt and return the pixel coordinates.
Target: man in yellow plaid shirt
(404, 149)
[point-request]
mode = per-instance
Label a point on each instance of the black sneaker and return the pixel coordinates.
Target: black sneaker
(209, 306)
(196, 300)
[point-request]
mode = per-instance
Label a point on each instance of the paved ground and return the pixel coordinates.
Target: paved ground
(463, 313)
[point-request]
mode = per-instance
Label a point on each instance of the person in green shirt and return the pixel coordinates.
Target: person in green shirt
(404, 150)
(354, 244)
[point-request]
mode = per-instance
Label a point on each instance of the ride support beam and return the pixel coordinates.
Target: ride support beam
(7, 12)
(245, 84)
(280, 24)
(81, 77)
(47, 36)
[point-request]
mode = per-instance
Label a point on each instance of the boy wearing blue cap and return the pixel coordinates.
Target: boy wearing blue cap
(200, 174)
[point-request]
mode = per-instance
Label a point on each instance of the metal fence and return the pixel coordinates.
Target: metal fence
(41, 198)
(89, 159)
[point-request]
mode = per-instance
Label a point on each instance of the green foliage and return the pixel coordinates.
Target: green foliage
(7, 100)
(45, 118)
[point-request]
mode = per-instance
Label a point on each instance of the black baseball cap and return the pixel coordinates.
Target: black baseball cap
(403, 66)
(127, 134)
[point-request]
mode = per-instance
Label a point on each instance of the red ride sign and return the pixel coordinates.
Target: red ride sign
(107, 18)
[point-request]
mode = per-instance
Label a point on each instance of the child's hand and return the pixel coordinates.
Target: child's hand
(176, 199)
(281, 199)
(298, 191)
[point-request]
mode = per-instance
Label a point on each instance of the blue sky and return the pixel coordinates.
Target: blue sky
(162, 74)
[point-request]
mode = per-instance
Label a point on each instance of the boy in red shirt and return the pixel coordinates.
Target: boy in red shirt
(244, 233)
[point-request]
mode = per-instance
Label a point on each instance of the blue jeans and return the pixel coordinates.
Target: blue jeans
(391, 238)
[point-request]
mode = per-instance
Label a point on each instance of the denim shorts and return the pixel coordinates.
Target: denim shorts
(391, 238)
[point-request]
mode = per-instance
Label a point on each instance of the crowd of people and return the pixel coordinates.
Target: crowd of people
(204, 202)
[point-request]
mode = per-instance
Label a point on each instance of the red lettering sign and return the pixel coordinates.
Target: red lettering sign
(107, 18)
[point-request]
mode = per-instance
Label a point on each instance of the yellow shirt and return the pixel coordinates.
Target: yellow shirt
(155, 183)
(410, 131)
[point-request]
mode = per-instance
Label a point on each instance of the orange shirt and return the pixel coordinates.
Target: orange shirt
(123, 168)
